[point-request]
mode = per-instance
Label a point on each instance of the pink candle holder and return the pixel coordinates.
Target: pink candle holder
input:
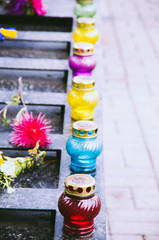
(82, 62)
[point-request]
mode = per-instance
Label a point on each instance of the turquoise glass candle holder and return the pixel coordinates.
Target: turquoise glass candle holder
(84, 146)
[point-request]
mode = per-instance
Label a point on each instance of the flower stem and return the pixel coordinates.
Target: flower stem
(3, 109)
(20, 91)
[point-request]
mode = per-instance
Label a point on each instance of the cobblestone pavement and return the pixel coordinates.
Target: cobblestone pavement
(130, 36)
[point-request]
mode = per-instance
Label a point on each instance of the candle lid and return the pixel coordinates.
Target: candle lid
(83, 48)
(86, 22)
(85, 129)
(81, 185)
(85, 1)
(83, 82)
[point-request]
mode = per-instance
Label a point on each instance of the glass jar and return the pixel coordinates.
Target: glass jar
(84, 146)
(83, 98)
(82, 62)
(85, 8)
(79, 204)
(85, 31)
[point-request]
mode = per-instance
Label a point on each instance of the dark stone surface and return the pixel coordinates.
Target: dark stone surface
(26, 225)
(45, 176)
(34, 49)
(37, 23)
(36, 81)
(59, 113)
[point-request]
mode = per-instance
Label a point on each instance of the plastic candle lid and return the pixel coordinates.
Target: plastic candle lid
(83, 82)
(83, 48)
(86, 22)
(81, 185)
(85, 129)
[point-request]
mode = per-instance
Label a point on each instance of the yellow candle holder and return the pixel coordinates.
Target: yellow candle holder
(85, 31)
(83, 98)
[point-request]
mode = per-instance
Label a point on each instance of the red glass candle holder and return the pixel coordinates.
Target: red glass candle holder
(79, 204)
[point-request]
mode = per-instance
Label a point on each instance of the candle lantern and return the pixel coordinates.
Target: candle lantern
(85, 31)
(84, 146)
(83, 98)
(82, 62)
(85, 8)
(79, 204)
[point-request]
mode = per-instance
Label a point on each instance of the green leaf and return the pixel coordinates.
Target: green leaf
(4, 116)
(22, 110)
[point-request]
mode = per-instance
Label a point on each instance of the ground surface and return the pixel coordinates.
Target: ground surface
(130, 30)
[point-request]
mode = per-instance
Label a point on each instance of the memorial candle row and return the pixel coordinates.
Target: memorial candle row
(79, 204)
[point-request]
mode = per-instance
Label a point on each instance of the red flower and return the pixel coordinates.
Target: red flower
(28, 131)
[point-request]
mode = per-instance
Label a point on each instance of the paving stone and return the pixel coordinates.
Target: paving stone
(119, 227)
(152, 142)
(151, 237)
(131, 59)
(134, 215)
(128, 171)
(136, 157)
(151, 129)
(110, 128)
(129, 181)
(157, 173)
(113, 158)
(119, 198)
(129, 143)
(155, 155)
(126, 237)
(108, 237)
(128, 128)
(107, 225)
(146, 198)
(140, 91)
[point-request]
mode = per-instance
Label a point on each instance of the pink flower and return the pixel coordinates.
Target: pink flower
(38, 7)
(28, 131)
